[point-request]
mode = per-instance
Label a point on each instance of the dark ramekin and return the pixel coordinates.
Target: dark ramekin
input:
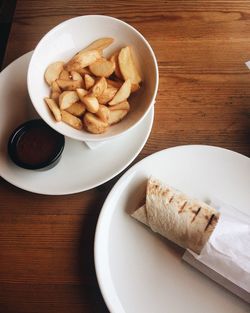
(28, 126)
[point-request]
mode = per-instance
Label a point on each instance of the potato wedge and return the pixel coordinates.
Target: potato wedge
(81, 93)
(117, 84)
(114, 83)
(103, 113)
(71, 120)
(69, 85)
(55, 91)
(91, 103)
(120, 106)
(116, 116)
(102, 68)
(83, 71)
(114, 59)
(83, 59)
(94, 124)
(134, 87)
(127, 66)
(77, 109)
(99, 44)
(89, 81)
(99, 87)
(64, 75)
(55, 87)
(54, 109)
(67, 98)
(122, 94)
(55, 96)
(107, 95)
(76, 76)
(53, 71)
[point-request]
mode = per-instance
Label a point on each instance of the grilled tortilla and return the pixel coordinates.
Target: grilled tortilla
(185, 221)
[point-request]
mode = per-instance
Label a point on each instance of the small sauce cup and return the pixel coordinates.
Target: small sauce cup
(35, 146)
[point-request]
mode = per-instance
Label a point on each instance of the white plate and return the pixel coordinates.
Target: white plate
(139, 271)
(80, 167)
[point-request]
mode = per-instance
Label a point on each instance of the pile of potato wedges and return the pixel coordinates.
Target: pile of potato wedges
(91, 91)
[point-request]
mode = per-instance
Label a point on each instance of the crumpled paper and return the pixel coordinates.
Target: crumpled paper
(227, 252)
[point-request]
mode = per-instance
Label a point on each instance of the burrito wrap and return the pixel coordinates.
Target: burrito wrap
(185, 221)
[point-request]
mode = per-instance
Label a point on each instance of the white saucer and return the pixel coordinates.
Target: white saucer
(138, 270)
(80, 167)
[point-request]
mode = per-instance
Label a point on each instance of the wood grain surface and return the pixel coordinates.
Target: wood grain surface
(46, 242)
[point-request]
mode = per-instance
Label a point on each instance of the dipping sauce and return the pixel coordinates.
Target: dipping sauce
(34, 145)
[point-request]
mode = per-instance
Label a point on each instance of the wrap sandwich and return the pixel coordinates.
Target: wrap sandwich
(186, 221)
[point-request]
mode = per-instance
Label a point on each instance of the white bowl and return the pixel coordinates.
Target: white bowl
(67, 38)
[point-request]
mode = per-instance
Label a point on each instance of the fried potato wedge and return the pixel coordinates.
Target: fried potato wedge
(120, 106)
(122, 94)
(71, 120)
(54, 109)
(127, 66)
(53, 71)
(94, 124)
(81, 93)
(64, 75)
(83, 71)
(76, 76)
(91, 103)
(107, 95)
(69, 85)
(99, 44)
(114, 83)
(114, 59)
(77, 109)
(99, 87)
(134, 87)
(67, 98)
(103, 113)
(55, 96)
(102, 68)
(83, 59)
(89, 81)
(55, 87)
(116, 116)
(55, 91)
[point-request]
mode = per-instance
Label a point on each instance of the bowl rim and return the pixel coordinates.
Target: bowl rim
(23, 128)
(95, 137)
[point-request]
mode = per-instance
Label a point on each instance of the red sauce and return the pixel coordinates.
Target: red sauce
(37, 145)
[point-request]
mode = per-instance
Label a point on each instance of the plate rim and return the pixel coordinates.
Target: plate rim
(22, 58)
(118, 308)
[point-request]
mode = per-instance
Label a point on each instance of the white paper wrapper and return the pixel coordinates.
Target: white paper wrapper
(248, 64)
(226, 256)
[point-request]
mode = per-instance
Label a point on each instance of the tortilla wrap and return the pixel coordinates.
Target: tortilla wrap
(169, 212)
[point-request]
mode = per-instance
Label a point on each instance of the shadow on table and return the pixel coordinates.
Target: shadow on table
(7, 8)
(91, 293)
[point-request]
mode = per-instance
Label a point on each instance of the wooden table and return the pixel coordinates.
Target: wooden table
(46, 242)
